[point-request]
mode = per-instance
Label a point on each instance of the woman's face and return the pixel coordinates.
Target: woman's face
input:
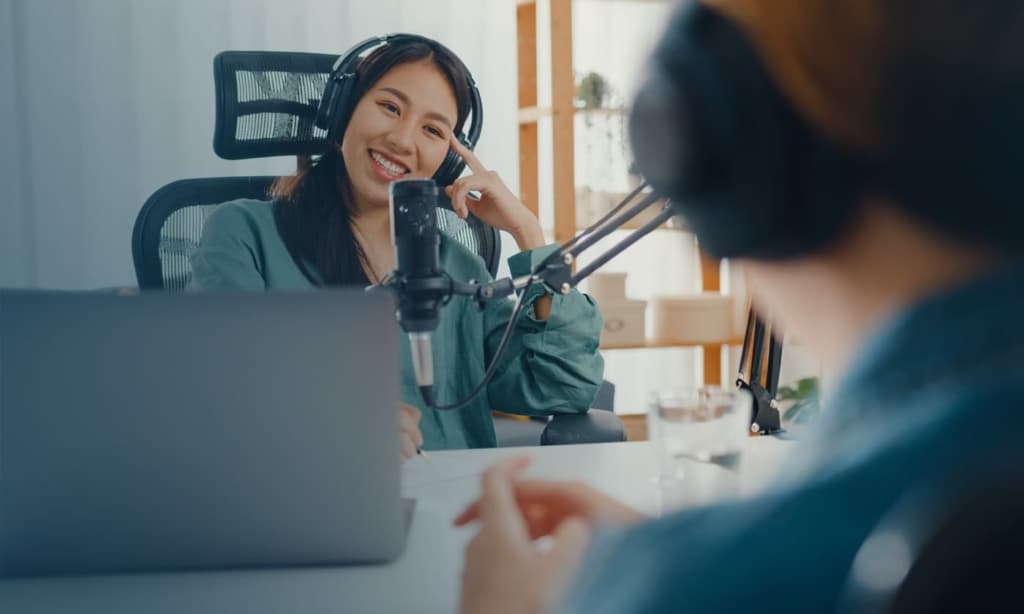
(399, 129)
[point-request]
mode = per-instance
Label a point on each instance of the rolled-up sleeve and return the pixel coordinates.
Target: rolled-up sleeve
(550, 366)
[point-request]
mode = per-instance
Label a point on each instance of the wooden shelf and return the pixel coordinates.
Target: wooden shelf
(531, 115)
(652, 343)
(601, 111)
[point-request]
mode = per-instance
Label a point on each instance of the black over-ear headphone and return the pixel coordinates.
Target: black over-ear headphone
(339, 100)
(710, 131)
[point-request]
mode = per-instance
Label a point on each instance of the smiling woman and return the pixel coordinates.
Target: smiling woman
(398, 113)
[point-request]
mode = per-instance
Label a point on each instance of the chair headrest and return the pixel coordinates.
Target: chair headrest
(267, 103)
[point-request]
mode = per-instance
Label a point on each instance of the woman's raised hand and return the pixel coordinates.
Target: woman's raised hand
(497, 205)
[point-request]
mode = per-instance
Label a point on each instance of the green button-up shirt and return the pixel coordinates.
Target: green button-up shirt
(549, 367)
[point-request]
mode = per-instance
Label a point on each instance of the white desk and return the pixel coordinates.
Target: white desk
(424, 580)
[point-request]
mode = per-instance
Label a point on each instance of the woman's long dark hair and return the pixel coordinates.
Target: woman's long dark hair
(313, 209)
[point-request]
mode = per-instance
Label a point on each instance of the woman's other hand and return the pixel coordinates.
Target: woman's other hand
(410, 437)
(497, 206)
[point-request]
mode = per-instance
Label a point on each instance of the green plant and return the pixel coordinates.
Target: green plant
(593, 91)
(802, 400)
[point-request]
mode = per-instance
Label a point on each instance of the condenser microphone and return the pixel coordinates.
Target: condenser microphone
(421, 284)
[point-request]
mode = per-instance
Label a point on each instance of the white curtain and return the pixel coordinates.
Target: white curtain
(104, 101)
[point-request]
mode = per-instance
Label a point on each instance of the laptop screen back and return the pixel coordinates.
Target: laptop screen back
(182, 431)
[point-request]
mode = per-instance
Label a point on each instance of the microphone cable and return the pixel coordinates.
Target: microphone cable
(496, 359)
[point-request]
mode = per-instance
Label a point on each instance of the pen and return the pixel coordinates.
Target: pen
(420, 452)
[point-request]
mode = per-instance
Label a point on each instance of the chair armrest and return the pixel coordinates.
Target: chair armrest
(595, 426)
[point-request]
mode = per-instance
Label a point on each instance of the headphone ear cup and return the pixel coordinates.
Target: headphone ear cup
(452, 166)
(334, 109)
(450, 169)
(710, 131)
(325, 111)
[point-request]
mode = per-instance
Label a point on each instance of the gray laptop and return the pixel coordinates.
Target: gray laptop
(184, 431)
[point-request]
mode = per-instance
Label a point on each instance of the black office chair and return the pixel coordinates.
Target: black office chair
(266, 106)
(945, 547)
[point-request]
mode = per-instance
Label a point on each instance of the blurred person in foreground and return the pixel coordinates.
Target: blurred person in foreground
(893, 254)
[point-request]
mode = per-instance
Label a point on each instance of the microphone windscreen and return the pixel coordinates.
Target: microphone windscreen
(413, 207)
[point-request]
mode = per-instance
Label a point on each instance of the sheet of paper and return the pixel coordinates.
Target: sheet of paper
(436, 469)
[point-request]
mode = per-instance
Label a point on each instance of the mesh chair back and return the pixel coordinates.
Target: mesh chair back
(170, 225)
(267, 103)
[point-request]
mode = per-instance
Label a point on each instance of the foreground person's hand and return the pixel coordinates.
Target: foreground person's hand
(544, 505)
(505, 571)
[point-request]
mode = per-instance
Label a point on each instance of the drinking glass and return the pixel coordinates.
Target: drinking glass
(698, 437)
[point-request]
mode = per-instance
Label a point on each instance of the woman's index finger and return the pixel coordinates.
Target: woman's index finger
(467, 154)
